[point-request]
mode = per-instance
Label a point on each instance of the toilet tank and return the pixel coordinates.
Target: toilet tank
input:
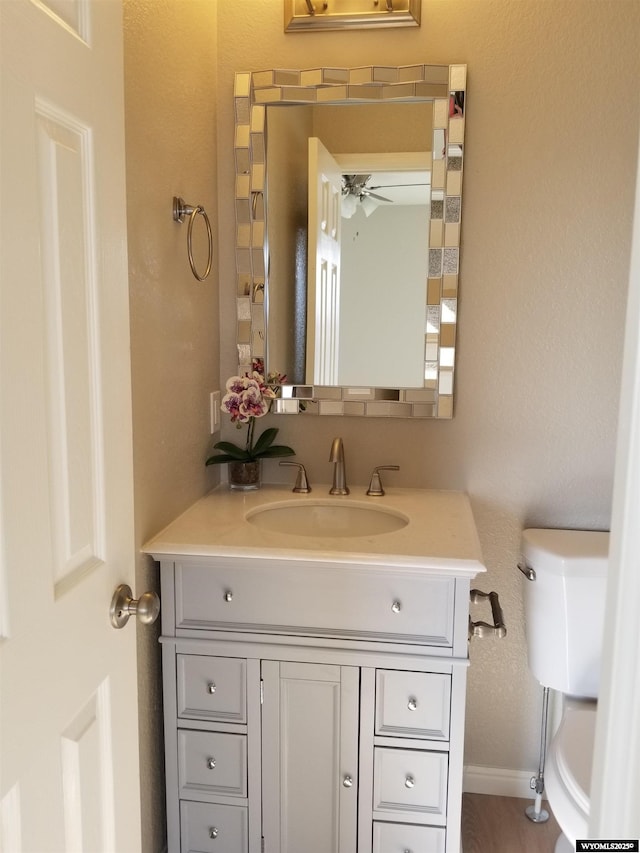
(564, 607)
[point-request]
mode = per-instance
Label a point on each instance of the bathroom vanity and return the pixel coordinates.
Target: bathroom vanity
(314, 680)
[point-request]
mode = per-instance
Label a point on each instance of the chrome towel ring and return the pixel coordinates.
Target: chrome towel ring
(182, 209)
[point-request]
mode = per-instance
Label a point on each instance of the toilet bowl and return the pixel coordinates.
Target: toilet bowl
(568, 770)
(564, 598)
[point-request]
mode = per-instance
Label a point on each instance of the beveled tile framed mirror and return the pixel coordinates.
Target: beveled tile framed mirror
(348, 215)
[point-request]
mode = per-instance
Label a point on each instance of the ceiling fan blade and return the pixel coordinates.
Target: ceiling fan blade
(393, 186)
(378, 197)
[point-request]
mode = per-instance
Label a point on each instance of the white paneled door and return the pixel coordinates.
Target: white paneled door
(69, 746)
(324, 232)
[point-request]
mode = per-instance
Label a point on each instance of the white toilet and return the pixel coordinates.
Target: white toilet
(564, 597)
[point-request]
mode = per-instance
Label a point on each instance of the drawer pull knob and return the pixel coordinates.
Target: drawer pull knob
(396, 606)
(409, 782)
(213, 832)
(347, 782)
(228, 596)
(211, 687)
(412, 704)
(211, 763)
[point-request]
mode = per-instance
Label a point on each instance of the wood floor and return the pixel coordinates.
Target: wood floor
(499, 825)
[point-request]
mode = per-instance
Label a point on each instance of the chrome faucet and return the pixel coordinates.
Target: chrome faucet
(339, 478)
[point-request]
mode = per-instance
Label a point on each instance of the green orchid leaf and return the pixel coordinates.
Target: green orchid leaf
(277, 450)
(232, 450)
(265, 440)
(218, 460)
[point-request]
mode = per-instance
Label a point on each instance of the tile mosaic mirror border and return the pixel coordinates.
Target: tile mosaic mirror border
(445, 87)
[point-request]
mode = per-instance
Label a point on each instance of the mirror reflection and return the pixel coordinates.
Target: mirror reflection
(348, 223)
(363, 278)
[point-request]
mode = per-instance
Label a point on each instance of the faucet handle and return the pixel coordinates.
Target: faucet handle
(375, 489)
(302, 483)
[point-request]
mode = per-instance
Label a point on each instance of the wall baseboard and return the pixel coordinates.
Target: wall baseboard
(497, 781)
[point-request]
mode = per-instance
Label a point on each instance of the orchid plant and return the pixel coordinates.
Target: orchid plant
(248, 398)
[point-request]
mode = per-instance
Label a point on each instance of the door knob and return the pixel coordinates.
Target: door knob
(123, 605)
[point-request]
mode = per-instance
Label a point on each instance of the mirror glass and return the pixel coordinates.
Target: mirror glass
(348, 201)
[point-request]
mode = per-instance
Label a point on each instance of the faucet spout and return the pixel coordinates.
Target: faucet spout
(339, 475)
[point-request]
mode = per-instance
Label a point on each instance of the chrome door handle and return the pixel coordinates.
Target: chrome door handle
(123, 605)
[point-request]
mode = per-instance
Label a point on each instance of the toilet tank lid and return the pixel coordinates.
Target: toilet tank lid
(566, 552)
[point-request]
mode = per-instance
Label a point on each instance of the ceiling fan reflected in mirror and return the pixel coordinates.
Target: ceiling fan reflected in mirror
(399, 188)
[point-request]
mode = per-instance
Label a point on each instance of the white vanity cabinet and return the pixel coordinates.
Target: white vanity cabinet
(313, 704)
(317, 736)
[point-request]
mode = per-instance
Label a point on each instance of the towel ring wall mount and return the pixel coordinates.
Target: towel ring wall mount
(180, 210)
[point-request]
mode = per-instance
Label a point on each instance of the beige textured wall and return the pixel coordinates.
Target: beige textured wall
(552, 126)
(370, 128)
(170, 83)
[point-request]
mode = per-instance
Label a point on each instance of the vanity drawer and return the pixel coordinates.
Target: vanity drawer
(212, 688)
(407, 838)
(409, 780)
(211, 828)
(413, 704)
(343, 601)
(212, 763)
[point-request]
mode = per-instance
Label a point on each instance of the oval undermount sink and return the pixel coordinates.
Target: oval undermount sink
(326, 518)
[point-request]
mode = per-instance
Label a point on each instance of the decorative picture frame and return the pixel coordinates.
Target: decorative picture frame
(315, 15)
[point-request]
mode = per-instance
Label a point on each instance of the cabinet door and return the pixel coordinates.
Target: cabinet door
(310, 757)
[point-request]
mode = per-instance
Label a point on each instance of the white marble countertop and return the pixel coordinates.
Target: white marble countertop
(440, 534)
